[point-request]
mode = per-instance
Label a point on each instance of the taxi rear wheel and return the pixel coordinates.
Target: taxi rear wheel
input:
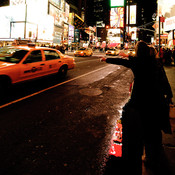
(62, 71)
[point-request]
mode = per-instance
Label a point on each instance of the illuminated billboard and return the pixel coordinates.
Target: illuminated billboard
(117, 3)
(169, 24)
(67, 10)
(57, 14)
(10, 14)
(166, 8)
(71, 34)
(113, 36)
(132, 14)
(38, 24)
(117, 17)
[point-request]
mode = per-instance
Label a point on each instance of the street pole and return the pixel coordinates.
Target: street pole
(25, 24)
(159, 37)
(124, 24)
(96, 31)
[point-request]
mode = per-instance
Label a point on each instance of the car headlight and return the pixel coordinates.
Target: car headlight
(112, 52)
(81, 52)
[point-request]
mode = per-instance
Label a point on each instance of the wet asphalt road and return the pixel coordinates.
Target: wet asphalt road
(66, 129)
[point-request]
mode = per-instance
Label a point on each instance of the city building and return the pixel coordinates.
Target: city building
(97, 14)
(78, 7)
(42, 21)
(105, 15)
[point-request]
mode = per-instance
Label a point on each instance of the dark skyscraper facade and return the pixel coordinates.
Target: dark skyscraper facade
(97, 10)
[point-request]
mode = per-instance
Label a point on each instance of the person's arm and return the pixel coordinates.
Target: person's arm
(119, 61)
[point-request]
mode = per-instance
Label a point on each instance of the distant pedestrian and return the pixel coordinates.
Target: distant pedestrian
(62, 49)
(167, 56)
(147, 112)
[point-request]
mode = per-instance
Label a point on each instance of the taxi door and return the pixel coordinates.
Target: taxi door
(33, 66)
(89, 51)
(53, 61)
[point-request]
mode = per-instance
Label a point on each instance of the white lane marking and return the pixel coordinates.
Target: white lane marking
(39, 92)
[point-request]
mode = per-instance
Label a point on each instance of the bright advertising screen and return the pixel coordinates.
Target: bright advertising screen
(57, 14)
(132, 14)
(9, 14)
(166, 8)
(117, 3)
(117, 17)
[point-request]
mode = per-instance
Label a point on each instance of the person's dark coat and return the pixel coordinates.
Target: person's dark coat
(150, 88)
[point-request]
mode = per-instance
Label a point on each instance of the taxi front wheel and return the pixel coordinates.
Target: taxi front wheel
(62, 71)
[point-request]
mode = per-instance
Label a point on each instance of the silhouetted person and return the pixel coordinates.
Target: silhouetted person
(147, 111)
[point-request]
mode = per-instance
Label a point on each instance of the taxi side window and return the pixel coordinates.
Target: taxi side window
(51, 55)
(34, 56)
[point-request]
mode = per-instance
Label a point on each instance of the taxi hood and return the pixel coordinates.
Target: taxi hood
(5, 64)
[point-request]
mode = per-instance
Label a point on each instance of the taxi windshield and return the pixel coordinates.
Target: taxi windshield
(12, 55)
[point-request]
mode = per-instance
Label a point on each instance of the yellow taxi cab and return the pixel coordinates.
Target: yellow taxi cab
(112, 51)
(127, 52)
(82, 51)
(21, 63)
(131, 52)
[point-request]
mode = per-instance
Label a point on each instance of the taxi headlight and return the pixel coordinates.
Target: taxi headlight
(81, 52)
